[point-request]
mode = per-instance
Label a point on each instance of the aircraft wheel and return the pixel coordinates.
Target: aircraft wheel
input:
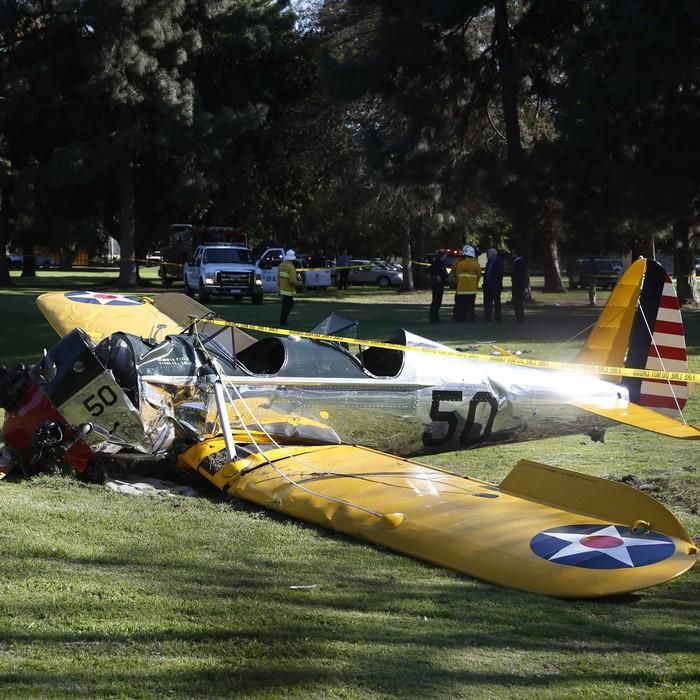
(203, 293)
(383, 282)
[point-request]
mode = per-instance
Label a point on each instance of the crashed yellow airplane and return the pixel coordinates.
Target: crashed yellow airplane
(295, 424)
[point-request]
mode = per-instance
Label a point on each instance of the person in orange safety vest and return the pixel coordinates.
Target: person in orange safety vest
(467, 272)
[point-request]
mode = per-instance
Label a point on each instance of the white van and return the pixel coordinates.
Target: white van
(270, 260)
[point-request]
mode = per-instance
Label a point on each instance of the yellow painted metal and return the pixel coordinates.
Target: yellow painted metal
(457, 522)
(608, 341)
(645, 419)
(100, 320)
(582, 493)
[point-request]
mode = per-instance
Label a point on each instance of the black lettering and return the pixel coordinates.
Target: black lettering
(439, 416)
(472, 432)
(108, 397)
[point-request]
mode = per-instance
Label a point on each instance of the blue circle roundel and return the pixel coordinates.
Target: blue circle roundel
(601, 546)
(104, 299)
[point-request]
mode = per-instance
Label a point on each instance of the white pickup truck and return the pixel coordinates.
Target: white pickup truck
(316, 278)
(225, 270)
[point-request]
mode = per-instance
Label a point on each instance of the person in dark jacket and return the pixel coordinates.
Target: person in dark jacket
(438, 279)
(343, 263)
(493, 285)
(520, 282)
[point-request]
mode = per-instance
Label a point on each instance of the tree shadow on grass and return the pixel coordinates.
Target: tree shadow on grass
(376, 623)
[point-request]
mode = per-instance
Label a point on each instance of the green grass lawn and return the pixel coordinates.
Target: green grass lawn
(108, 595)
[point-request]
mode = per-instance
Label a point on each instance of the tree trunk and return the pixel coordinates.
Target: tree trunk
(650, 238)
(418, 250)
(127, 225)
(28, 260)
(684, 264)
(518, 209)
(552, 272)
(66, 257)
(5, 280)
(509, 84)
(407, 266)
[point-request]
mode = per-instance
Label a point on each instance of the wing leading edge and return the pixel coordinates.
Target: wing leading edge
(100, 314)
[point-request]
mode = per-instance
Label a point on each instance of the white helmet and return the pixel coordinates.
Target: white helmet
(468, 251)
(290, 255)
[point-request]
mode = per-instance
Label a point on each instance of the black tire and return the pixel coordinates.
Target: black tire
(383, 281)
(257, 299)
(188, 290)
(203, 293)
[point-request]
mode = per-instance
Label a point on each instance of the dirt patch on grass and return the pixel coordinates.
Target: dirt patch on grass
(671, 488)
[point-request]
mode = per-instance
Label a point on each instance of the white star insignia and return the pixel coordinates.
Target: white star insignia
(103, 299)
(604, 541)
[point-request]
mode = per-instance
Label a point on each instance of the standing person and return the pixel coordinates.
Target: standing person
(287, 284)
(343, 261)
(591, 279)
(438, 279)
(519, 280)
(493, 285)
(467, 273)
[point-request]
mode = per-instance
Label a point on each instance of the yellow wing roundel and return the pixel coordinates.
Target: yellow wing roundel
(100, 314)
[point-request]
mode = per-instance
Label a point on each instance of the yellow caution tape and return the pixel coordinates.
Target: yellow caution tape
(151, 263)
(510, 359)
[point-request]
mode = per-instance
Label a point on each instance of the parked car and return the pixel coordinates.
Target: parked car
(154, 257)
(43, 261)
(697, 266)
(269, 261)
(605, 270)
(375, 272)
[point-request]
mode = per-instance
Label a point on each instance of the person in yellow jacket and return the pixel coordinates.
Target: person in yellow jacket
(287, 284)
(467, 272)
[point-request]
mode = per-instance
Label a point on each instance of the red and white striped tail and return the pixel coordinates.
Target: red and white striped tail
(667, 352)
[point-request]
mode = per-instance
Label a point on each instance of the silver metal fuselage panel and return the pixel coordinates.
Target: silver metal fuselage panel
(432, 404)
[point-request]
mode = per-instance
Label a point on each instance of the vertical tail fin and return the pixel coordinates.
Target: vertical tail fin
(657, 341)
(608, 341)
(641, 327)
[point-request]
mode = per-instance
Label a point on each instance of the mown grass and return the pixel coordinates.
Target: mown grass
(107, 595)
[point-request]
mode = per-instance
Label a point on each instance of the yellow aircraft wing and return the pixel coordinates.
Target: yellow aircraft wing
(544, 530)
(100, 314)
(644, 418)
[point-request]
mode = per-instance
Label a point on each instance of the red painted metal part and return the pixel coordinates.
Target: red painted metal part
(33, 410)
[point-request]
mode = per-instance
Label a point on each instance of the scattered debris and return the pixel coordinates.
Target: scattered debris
(150, 487)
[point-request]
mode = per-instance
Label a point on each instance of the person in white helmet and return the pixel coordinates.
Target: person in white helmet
(287, 284)
(467, 272)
